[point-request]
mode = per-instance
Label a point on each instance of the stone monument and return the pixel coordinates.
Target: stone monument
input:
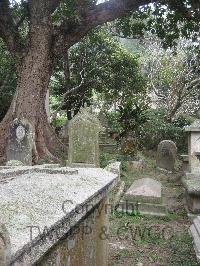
(166, 155)
(194, 146)
(191, 181)
(84, 131)
(146, 194)
(20, 142)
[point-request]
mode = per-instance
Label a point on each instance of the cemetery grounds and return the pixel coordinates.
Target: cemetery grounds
(169, 242)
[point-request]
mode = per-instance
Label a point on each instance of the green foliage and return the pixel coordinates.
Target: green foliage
(157, 129)
(169, 21)
(180, 246)
(106, 158)
(7, 80)
(59, 121)
(109, 71)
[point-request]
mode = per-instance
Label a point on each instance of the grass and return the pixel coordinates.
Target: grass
(152, 240)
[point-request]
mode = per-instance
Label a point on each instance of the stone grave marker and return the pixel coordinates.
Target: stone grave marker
(166, 155)
(146, 195)
(144, 190)
(84, 131)
(20, 142)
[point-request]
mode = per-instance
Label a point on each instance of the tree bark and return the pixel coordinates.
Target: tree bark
(33, 74)
(35, 60)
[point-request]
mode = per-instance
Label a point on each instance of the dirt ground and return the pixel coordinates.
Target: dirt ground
(153, 241)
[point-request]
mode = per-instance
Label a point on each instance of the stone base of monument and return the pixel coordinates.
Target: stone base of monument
(144, 197)
(195, 233)
(192, 187)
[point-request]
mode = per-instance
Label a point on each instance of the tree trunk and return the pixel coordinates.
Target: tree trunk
(33, 72)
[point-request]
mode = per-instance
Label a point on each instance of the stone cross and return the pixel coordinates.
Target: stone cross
(84, 131)
(20, 142)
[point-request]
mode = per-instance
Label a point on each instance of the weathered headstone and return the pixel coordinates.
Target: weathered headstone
(146, 195)
(166, 155)
(20, 142)
(84, 131)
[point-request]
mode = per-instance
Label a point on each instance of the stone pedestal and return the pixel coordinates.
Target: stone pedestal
(194, 147)
(192, 180)
(192, 186)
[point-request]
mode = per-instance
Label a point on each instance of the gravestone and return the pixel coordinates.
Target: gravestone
(20, 142)
(146, 194)
(166, 155)
(84, 131)
(144, 190)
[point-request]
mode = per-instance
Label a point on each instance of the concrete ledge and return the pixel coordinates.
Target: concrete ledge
(192, 186)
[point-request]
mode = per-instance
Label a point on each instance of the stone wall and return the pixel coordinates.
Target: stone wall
(84, 245)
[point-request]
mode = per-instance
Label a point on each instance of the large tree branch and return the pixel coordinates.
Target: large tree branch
(71, 32)
(8, 29)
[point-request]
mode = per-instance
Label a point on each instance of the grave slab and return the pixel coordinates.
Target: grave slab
(39, 198)
(146, 194)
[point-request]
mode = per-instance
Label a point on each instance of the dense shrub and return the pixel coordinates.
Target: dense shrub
(157, 129)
